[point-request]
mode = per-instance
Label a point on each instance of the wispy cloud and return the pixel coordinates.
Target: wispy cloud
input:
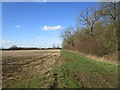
(18, 26)
(5, 42)
(40, 37)
(51, 27)
(44, 0)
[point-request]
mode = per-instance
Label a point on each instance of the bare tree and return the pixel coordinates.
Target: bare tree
(67, 35)
(111, 11)
(88, 19)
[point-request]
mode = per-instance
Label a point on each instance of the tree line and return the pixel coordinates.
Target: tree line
(96, 32)
(14, 47)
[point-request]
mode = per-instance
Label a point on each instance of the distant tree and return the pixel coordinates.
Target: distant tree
(39, 47)
(54, 46)
(58, 46)
(13, 47)
(67, 36)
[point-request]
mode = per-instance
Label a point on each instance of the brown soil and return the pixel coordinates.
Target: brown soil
(24, 64)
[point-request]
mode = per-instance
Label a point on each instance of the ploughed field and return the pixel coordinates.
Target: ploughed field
(56, 69)
(20, 65)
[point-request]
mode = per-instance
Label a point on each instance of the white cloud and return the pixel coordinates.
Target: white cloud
(51, 28)
(40, 37)
(5, 42)
(17, 26)
(44, 0)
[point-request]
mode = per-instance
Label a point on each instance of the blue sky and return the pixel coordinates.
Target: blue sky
(38, 24)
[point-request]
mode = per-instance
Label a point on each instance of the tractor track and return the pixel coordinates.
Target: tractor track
(27, 62)
(16, 69)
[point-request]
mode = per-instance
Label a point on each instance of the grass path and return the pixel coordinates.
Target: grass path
(86, 72)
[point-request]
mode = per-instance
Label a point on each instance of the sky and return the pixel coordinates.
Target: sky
(38, 24)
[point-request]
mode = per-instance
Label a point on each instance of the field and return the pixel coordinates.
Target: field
(21, 65)
(56, 69)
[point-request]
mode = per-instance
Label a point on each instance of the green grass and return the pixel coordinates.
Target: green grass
(77, 71)
(84, 64)
(95, 72)
(35, 82)
(65, 79)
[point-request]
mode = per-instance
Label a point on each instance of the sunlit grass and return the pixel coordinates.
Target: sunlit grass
(78, 64)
